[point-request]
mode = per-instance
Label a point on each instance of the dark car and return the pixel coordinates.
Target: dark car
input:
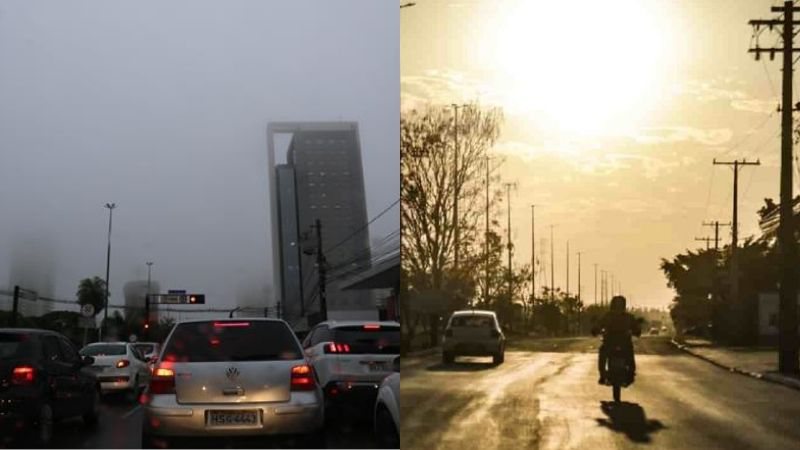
(43, 379)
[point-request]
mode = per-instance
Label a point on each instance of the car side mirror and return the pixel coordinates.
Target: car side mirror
(87, 360)
(396, 364)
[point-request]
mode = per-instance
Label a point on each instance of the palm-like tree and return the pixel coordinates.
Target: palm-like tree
(92, 291)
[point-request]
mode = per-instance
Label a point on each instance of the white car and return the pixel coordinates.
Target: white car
(473, 333)
(351, 359)
(150, 350)
(387, 410)
(118, 366)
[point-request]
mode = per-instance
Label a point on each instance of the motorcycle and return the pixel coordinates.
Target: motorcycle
(618, 371)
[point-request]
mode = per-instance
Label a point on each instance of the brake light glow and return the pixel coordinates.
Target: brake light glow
(23, 375)
(231, 324)
(302, 378)
(372, 326)
(333, 347)
(123, 363)
(162, 381)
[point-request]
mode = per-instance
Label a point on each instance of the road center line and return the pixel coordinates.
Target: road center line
(129, 413)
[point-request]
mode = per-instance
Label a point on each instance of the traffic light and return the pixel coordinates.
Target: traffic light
(195, 299)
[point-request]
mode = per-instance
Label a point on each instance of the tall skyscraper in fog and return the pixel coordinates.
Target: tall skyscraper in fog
(322, 180)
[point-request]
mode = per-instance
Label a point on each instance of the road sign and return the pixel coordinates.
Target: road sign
(177, 299)
(87, 310)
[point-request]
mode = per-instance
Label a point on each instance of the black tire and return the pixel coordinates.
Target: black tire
(617, 391)
(386, 433)
(448, 357)
(92, 414)
(43, 426)
(499, 358)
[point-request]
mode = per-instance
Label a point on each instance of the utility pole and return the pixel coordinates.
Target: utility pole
(457, 185)
(579, 276)
(612, 285)
(486, 239)
(734, 275)
(323, 299)
(602, 287)
(552, 267)
(110, 207)
(595, 284)
(707, 241)
(508, 231)
(533, 264)
(787, 246)
(716, 226)
(533, 252)
(567, 291)
(15, 307)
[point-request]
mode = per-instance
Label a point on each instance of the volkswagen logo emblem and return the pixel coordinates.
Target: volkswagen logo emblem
(232, 373)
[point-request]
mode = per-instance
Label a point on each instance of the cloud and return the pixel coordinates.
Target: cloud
(666, 135)
(755, 105)
(442, 87)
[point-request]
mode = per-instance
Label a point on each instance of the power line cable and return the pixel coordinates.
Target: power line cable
(365, 226)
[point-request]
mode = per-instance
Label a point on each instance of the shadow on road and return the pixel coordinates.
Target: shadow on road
(629, 418)
(461, 367)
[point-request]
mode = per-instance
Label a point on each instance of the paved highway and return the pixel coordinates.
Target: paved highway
(546, 396)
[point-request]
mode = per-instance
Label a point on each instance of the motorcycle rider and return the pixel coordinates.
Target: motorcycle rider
(617, 326)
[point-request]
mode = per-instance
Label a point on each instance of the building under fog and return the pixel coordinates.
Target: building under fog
(33, 268)
(135, 292)
(321, 180)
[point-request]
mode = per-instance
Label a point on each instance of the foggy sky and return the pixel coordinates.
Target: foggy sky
(162, 108)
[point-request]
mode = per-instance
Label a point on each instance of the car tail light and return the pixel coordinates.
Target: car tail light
(23, 375)
(162, 381)
(372, 326)
(333, 347)
(302, 378)
(448, 333)
(123, 363)
(495, 333)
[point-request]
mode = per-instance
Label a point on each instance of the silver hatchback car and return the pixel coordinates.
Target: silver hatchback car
(232, 378)
(473, 333)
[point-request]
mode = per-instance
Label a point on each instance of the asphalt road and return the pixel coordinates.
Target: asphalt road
(121, 421)
(546, 396)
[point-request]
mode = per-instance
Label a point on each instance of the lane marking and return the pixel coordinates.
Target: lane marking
(129, 413)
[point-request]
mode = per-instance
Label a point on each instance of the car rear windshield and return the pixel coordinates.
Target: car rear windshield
(473, 321)
(145, 348)
(104, 350)
(363, 340)
(15, 345)
(232, 341)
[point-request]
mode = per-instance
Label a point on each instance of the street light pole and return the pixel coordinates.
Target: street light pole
(110, 207)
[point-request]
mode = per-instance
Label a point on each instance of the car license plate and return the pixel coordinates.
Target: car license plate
(232, 418)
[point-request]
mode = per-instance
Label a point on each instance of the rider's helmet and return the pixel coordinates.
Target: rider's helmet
(618, 303)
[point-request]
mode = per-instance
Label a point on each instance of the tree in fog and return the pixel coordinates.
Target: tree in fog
(429, 181)
(92, 291)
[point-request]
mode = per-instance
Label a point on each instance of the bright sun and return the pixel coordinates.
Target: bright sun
(583, 67)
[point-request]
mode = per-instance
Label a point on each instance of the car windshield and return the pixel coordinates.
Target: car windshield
(14, 345)
(232, 341)
(361, 339)
(145, 348)
(473, 321)
(103, 350)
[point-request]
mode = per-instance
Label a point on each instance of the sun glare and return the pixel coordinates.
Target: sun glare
(583, 67)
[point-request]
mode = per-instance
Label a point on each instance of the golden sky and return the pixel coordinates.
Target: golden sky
(614, 113)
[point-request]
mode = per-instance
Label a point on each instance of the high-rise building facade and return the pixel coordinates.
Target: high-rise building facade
(324, 174)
